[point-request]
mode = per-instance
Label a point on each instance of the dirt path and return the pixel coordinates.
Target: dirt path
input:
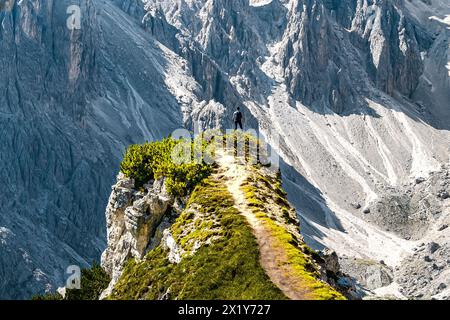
(273, 258)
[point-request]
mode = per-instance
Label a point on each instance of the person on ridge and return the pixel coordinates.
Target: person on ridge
(237, 118)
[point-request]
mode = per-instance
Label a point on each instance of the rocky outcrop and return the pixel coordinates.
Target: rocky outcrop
(368, 273)
(394, 60)
(213, 248)
(135, 223)
(330, 261)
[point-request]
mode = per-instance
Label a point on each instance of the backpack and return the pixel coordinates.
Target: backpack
(237, 116)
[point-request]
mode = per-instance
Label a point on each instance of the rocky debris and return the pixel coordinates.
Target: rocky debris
(424, 275)
(420, 180)
(134, 222)
(377, 277)
(443, 227)
(443, 194)
(380, 297)
(368, 273)
(433, 247)
(356, 205)
(441, 287)
(410, 210)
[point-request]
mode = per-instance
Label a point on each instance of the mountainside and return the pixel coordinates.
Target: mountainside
(70, 101)
(353, 94)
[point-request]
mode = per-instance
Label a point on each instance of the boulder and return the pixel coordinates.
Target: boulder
(331, 260)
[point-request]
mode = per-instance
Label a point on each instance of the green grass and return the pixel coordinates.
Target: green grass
(49, 297)
(228, 268)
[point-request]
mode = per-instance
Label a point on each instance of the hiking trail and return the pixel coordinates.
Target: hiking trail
(272, 256)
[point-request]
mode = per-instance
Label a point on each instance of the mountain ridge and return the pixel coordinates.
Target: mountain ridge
(249, 251)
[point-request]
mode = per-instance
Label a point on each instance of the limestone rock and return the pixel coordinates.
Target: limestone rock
(133, 220)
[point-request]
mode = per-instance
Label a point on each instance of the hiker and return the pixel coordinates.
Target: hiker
(237, 118)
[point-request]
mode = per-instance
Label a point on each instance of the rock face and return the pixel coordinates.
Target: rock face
(331, 260)
(395, 43)
(70, 102)
(355, 92)
(134, 220)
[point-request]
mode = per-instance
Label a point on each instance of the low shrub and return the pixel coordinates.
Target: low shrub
(154, 160)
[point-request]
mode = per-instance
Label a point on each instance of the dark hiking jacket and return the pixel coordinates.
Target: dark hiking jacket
(237, 116)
